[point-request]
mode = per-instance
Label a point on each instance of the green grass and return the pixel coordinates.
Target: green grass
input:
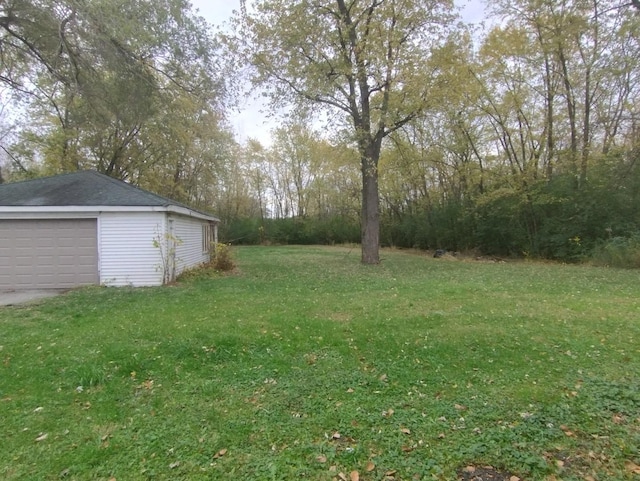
(422, 366)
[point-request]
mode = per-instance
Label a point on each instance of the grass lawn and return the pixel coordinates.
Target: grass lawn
(307, 365)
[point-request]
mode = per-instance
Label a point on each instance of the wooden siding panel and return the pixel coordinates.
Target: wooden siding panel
(128, 255)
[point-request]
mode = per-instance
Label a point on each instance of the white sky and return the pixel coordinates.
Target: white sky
(250, 121)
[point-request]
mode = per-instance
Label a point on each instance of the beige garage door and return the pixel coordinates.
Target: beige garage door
(52, 253)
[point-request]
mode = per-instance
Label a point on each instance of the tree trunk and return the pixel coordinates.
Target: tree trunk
(370, 230)
(571, 110)
(586, 129)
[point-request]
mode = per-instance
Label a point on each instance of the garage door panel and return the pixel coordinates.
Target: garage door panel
(23, 261)
(45, 270)
(42, 243)
(52, 253)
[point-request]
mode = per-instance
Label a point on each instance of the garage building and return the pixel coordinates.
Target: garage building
(87, 228)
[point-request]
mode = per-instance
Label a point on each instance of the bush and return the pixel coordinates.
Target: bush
(221, 261)
(223, 258)
(618, 252)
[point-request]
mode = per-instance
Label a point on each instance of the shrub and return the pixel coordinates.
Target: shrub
(223, 258)
(618, 252)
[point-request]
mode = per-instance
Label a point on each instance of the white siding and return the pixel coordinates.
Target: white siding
(128, 256)
(188, 233)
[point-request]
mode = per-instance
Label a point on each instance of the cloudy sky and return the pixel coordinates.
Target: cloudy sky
(249, 121)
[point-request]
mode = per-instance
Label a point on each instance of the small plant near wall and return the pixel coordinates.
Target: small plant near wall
(222, 259)
(167, 244)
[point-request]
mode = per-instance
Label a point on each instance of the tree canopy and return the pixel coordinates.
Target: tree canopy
(130, 88)
(366, 59)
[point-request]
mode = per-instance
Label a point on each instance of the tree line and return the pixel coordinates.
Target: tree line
(406, 127)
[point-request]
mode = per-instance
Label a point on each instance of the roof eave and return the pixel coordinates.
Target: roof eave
(77, 209)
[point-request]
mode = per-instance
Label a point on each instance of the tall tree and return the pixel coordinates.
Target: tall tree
(364, 58)
(121, 86)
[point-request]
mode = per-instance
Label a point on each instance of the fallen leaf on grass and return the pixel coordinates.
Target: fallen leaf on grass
(220, 453)
(321, 459)
(618, 419)
(567, 431)
(370, 467)
(405, 431)
(42, 437)
(632, 467)
(174, 465)
(354, 476)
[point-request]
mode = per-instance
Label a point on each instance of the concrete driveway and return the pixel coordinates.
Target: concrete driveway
(12, 298)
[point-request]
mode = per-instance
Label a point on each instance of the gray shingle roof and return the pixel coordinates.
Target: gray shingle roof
(84, 188)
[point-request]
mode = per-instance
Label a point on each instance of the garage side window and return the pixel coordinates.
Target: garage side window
(207, 238)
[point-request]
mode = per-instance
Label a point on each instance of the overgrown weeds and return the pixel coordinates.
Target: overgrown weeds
(222, 261)
(621, 252)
